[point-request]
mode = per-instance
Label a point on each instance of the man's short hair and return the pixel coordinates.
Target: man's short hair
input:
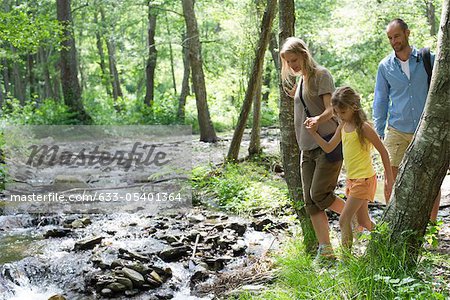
(399, 22)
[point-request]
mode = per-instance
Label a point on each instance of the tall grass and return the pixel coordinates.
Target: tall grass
(351, 278)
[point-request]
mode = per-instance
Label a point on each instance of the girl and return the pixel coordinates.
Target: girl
(358, 137)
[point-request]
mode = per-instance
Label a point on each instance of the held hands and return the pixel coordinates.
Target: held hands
(311, 124)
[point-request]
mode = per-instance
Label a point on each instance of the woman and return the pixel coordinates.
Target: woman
(319, 175)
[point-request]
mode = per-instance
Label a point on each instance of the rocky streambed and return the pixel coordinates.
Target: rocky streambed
(125, 256)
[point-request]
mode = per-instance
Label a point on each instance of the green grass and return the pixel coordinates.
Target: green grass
(353, 278)
(242, 188)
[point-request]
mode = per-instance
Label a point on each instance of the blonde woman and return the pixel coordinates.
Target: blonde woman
(319, 175)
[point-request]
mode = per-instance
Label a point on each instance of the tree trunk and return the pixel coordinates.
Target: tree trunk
(30, 72)
(255, 78)
(6, 80)
(83, 83)
(152, 56)
(267, 83)
(1, 97)
(273, 46)
(101, 54)
(117, 90)
(57, 87)
(290, 153)
(425, 164)
(172, 69)
(185, 83)
(431, 16)
(68, 64)
(19, 87)
(113, 73)
(254, 147)
(207, 132)
(48, 92)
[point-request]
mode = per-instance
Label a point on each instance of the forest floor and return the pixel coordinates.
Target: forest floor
(229, 242)
(213, 155)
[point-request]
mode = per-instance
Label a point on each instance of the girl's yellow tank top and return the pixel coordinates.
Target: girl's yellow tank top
(357, 158)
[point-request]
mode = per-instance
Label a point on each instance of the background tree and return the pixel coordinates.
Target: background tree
(152, 55)
(69, 70)
(207, 132)
(290, 153)
(424, 167)
(255, 78)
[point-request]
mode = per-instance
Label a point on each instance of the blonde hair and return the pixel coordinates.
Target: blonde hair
(346, 98)
(309, 67)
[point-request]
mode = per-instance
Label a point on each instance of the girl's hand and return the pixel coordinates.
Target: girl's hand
(388, 184)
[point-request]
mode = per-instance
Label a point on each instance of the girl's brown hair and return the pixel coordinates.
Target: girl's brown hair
(346, 98)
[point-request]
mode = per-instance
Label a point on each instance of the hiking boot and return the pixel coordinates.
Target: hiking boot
(325, 255)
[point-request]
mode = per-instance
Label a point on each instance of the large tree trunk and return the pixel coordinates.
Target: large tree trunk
(207, 132)
(152, 56)
(290, 153)
(68, 64)
(255, 78)
(185, 83)
(425, 164)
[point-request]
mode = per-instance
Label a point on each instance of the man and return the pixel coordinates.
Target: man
(400, 93)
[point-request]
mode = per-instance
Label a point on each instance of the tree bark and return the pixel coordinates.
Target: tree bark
(255, 78)
(152, 56)
(185, 83)
(207, 132)
(68, 64)
(290, 153)
(425, 164)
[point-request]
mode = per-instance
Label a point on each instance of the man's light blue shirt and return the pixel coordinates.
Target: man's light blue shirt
(397, 99)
